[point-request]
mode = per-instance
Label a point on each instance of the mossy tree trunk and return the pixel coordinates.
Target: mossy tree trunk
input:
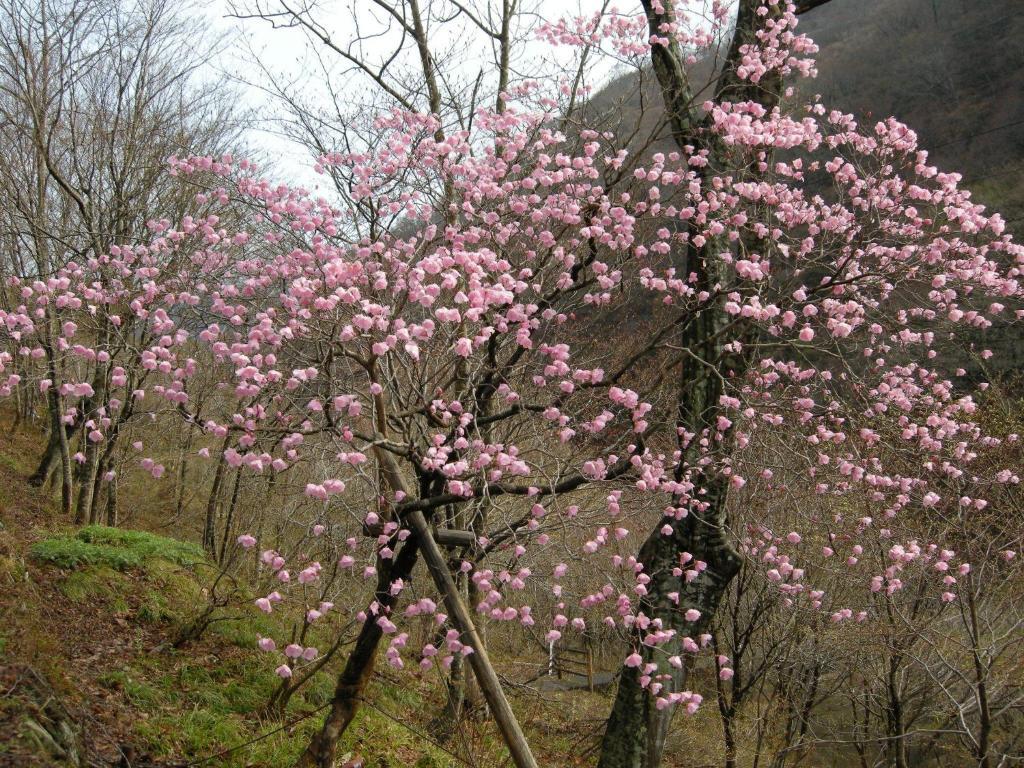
(636, 731)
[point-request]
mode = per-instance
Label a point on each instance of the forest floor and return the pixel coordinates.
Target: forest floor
(89, 675)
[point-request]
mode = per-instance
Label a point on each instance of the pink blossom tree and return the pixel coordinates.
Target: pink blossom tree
(522, 325)
(95, 98)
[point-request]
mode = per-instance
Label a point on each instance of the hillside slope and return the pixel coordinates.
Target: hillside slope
(88, 669)
(90, 675)
(953, 70)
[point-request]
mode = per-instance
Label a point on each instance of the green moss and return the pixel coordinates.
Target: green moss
(154, 609)
(96, 582)
(145, 545)
(70, 553)
(115, 548)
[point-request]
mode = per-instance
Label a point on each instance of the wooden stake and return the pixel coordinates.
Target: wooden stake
(478, 660)
(486, 677)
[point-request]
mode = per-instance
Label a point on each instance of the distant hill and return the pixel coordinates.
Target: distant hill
(953, 70)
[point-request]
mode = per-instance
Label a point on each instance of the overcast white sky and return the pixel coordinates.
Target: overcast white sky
(287, 53)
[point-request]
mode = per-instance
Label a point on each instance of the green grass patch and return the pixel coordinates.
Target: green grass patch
(114, 548)
(196, 709)
(70, 553)
(145, 545)
(244, 632)
(138, 692)
(384, 741)
(95, 582)
(196, 705)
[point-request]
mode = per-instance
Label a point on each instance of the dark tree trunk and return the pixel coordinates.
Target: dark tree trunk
(97, 487)
(448, 721)
(182, 473)
(897, 744)
(210, 527)
(359, 666)
(981, 673)
(462, 692)
(58, 450)
(228, 522)
(112, 503)
(55, 445)
(636, 732)
(51, 455)
(637, 729)
(87, 473)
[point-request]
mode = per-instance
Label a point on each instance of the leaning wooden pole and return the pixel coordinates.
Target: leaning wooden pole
(478, 660)
(459, 615)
